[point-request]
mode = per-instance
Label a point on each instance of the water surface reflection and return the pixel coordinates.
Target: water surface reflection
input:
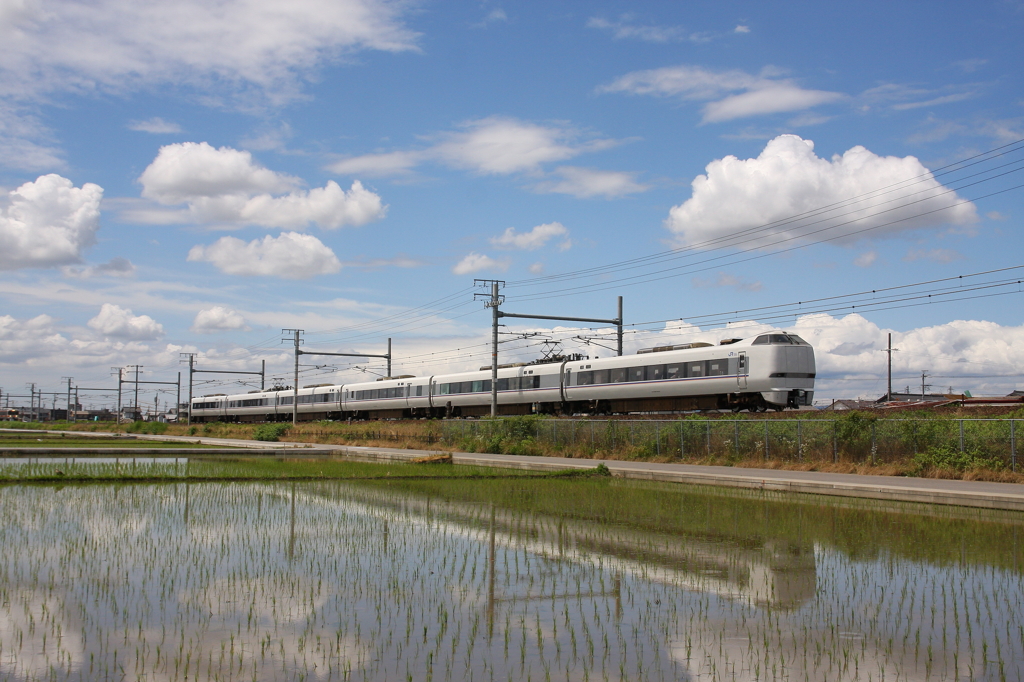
(509, 580)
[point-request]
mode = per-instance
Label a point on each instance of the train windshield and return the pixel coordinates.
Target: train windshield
(788, 339)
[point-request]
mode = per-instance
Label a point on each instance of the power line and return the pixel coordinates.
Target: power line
(1002, 150)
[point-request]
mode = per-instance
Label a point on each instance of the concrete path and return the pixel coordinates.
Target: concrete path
(1008, 496)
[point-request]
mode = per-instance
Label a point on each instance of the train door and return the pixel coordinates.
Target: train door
(742, 370)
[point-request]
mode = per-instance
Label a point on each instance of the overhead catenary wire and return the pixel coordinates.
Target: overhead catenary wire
(690, 269)
(1012, 147)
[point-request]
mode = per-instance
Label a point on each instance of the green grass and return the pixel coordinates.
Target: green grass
(116, 443)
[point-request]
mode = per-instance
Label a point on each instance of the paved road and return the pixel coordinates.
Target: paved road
(1009, 496)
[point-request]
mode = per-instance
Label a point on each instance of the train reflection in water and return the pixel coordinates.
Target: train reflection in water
(776, 573)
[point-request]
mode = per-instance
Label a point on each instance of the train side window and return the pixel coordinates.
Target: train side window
(655, 372)
(636, 373)
(478, 386)
(502, 384)
(695, 369)
(674, 371)
(584, 378)
(617, 376)
(600, 376)
(717, 368)
(443, 389)
(419, 391)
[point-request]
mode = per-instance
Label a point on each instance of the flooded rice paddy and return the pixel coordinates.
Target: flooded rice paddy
(500, 580)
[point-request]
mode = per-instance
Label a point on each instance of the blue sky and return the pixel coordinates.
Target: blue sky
(187, 178)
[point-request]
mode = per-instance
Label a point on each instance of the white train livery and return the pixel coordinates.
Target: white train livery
(770, 371)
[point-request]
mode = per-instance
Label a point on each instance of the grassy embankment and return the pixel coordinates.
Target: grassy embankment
(906, 444)
(123, 466)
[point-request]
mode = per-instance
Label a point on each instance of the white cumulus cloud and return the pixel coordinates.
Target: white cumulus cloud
(981, 356)
(118, 322)
(788, 179)
(532, 240)
(730, 94)
(477, 262)
(588, 182)
(290, 256)
(217, 319)
(226, 186)
(848, 358)
(48, 222)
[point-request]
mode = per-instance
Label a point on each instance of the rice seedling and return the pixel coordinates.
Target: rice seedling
(499, 579)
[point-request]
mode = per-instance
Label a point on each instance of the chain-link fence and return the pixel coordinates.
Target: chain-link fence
(958, 443)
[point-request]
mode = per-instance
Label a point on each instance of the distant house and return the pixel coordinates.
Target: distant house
(1016, 394)
(839, 405)
(912, 397)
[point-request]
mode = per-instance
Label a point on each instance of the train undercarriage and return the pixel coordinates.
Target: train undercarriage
(736, 402)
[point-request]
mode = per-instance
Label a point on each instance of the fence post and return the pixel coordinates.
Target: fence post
(682, 439)
(961, 436)
(1013, 446)
(612, 432)
(874, 441)
(736, 427)
(799, 440)
(708, 424)
(835, 444)
(632, 440)
(766, 439)
(592, 435)
(657, 436)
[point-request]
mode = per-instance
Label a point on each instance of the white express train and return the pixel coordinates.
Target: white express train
(774, 370)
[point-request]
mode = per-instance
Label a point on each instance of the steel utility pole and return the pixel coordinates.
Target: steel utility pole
(120, 380)
(297, 338)
(68, 415)
(136, 406)
(890, 350)
(192, 370)
(923, 375)
(493, 300)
